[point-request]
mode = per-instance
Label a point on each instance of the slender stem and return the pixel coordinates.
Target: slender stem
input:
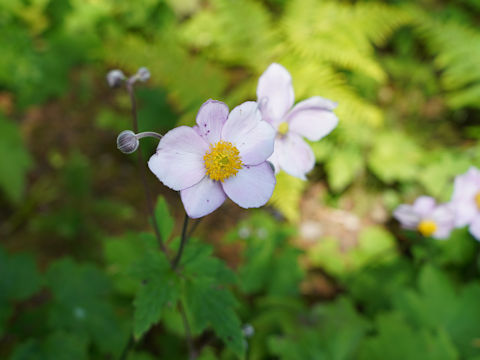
(188, 334)
(184, 239)
(148, 134)
(194, 227)
(146, 188)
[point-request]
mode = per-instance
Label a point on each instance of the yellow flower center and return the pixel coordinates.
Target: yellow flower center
(282, 128)
(427, 227)
(222, 161)
(477, 200)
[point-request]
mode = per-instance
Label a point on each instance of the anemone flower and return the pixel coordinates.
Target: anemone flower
(223, 155)
(426, 217)
(466, 201)
(312, 118)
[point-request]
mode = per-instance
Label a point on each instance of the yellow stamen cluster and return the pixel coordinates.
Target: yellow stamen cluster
(282, 128)
(222, 161)
(477, 200)
(427, 227)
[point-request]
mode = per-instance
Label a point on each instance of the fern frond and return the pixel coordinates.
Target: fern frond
(456, 48)
(287, 194)
(341, 34)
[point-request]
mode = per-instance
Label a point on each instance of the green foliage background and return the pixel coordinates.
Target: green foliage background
(81, 276)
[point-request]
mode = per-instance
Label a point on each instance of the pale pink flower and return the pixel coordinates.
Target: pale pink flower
(466, 201)
(426, 217)
(312, 118)
(223, 155)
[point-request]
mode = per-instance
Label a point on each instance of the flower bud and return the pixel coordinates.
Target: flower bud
(115, 78)
(127, 142)
(143, 74)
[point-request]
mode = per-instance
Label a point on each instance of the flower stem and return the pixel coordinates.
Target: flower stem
(191, 348)
(183, 241)
(146, 188)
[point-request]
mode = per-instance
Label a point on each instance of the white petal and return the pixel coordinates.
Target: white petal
(252, 186)
(210, 119)
(444, 217)
(313, 118)
(475, 228)
(178, 162)
(202, 198)
(407, 216)
(275, 93)
(424, 206)
(257, 145)
(294, 155)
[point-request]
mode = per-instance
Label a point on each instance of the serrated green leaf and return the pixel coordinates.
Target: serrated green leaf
(81, 305)
(121, 253)
(20, 278)
(210, 304)
(164, 219)
(159, 290)
(15, 160)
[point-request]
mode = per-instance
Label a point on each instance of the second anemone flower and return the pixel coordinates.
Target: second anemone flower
(312, 119)
(223, 155)
(428, 218)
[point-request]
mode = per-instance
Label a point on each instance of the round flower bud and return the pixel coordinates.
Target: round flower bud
(143, 74)
(115, 78)
(127, 142)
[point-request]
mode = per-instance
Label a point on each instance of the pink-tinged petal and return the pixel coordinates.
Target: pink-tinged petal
(210, 119)
(444, 217)
(424, 206)
(257, 145)
(467, 185)
(178, 162)
(202, 198)
(406, 216)
(475, 228)
(252, 186)
(313, 118)
(275, 85)
(252, 136)
(273, 159)
(465, 211)
(294, 155)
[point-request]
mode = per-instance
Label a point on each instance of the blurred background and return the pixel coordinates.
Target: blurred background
(323, 272)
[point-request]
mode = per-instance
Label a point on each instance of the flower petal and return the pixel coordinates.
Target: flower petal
(275, 85)
(444, 217)
(465, 211)
(424, 206)
(252, 186)
(475, 228)
(273, 159)
(257, 145)
(210, 119)
(294, 155)
(407, 216)
(178, 162)
(202, 198)
(252, 136)
(313, 118)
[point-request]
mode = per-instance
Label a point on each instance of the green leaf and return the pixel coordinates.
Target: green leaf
(20, 278)
(208, 301)
(15, 160)
(164, 219)
(210, 304)
(159, 290)
(409, 343)
(56, 346)
(121, 253)
(81, 304)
